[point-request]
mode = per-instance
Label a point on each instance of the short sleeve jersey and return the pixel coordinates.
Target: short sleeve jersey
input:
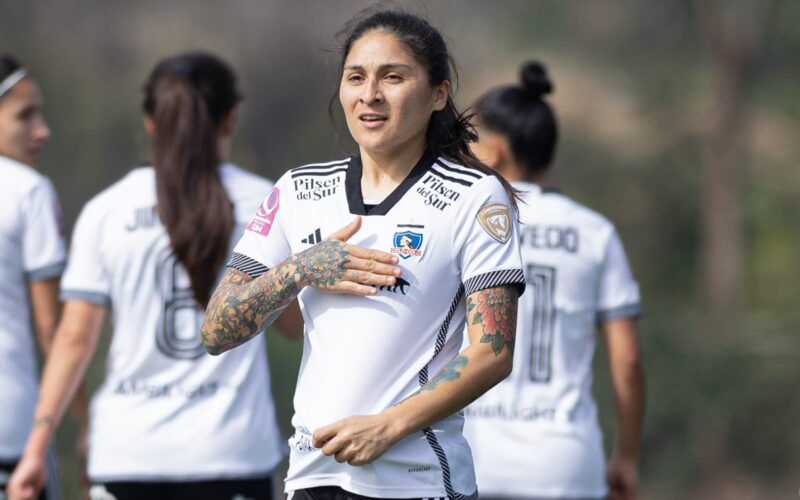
(166, 409)
(31, 249)
(536, 433)
(454, 232)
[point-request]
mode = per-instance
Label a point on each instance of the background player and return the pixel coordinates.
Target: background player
(536, 434)
(32, 257)
(381, 377)
(151, 247)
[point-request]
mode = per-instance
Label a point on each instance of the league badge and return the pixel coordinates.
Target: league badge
(407, 244)
(262, 221)
(495, 218)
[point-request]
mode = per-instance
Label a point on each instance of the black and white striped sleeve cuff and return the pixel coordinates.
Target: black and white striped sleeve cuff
(247, 265)
(46, 272)
(97, 298)
(633, 311)
(494, 279)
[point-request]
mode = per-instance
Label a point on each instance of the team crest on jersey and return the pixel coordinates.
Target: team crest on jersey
(495, 218)
(262, 221)
(407, 244)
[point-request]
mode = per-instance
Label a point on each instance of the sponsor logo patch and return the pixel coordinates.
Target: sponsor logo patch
(407, 244)
(262, 222)
(495, 218)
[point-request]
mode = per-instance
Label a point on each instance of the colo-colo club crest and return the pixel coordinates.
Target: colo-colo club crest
(407, 244)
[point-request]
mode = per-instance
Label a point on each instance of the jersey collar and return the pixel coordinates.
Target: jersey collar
(355, 198)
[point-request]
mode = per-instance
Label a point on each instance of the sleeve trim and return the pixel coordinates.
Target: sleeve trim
(627, 311)
(247, 265)
(92, 297)
(46, 272)
(496, 278)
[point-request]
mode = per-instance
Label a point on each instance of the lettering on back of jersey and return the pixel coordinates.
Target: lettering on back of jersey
(314, 188)
(550, 237)
(262, 221)
(143, 218)
(495, 218)
(436, 193)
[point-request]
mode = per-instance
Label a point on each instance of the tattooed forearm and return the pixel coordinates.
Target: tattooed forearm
(450, 372)
(494, 310)
(241, 306)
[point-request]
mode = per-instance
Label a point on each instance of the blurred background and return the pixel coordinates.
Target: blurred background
(679, 120)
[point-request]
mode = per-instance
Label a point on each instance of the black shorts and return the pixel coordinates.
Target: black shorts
(51, 490)
(335, 493)
(220, 489)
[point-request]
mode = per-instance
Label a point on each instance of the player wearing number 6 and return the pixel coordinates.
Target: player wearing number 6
(536, 434)
(168, 419)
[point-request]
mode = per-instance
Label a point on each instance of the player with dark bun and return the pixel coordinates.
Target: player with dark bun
(382, 380)
(536, 434)
(169, 422)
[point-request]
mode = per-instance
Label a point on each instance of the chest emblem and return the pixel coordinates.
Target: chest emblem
(495, 218)
(407, 244)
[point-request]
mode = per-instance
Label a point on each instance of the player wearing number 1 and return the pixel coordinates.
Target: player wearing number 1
(536, 434)
(168, 421)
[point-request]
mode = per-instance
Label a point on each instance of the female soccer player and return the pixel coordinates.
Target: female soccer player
(536, 434)
(169, 422)
(32, 256)
(382, 379)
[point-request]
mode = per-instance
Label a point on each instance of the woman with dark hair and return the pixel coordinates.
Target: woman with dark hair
(151, 248)
(429, 242)
(536, 435)
(32, 256)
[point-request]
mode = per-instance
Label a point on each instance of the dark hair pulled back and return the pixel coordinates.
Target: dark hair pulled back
(520, 113)
(8, 65)
(188, 96)
(449, 131)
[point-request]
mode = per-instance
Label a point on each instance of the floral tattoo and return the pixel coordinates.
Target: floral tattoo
(241, 306)
(495, 310)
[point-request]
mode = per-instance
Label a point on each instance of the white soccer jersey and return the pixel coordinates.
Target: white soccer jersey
(31, 249)
(536, 433)
(365, 354)
(166, 410)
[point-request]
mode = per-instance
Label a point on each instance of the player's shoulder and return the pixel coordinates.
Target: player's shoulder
(134, 189)
(575, 211)
(332, 168)
(20, 178)
(243, 184)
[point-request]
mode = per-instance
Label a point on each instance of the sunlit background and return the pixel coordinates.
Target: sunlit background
(679, 120)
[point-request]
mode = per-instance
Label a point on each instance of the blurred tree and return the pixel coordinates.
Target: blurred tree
(733, 32)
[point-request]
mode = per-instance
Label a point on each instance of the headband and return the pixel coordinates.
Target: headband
(12, 80)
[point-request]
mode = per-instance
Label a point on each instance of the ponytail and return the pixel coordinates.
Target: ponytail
(187, 97)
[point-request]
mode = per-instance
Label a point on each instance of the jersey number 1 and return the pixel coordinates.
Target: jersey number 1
(178, 332)
(542, 280)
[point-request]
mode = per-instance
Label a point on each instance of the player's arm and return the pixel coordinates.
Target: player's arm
(73, 346)
(628, 381)
(46, 310)
(242, 306)
(491, 319)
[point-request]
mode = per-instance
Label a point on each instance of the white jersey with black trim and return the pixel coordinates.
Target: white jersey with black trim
(364, 354)
(31, 249)
(536, 433)
(166, 410)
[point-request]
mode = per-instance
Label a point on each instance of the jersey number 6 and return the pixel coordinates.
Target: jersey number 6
(178, 332)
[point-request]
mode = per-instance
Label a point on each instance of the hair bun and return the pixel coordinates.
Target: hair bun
(535, 80)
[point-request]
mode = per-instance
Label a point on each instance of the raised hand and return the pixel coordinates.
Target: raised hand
(335, 266)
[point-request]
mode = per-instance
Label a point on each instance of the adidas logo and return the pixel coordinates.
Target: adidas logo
(313, 238)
